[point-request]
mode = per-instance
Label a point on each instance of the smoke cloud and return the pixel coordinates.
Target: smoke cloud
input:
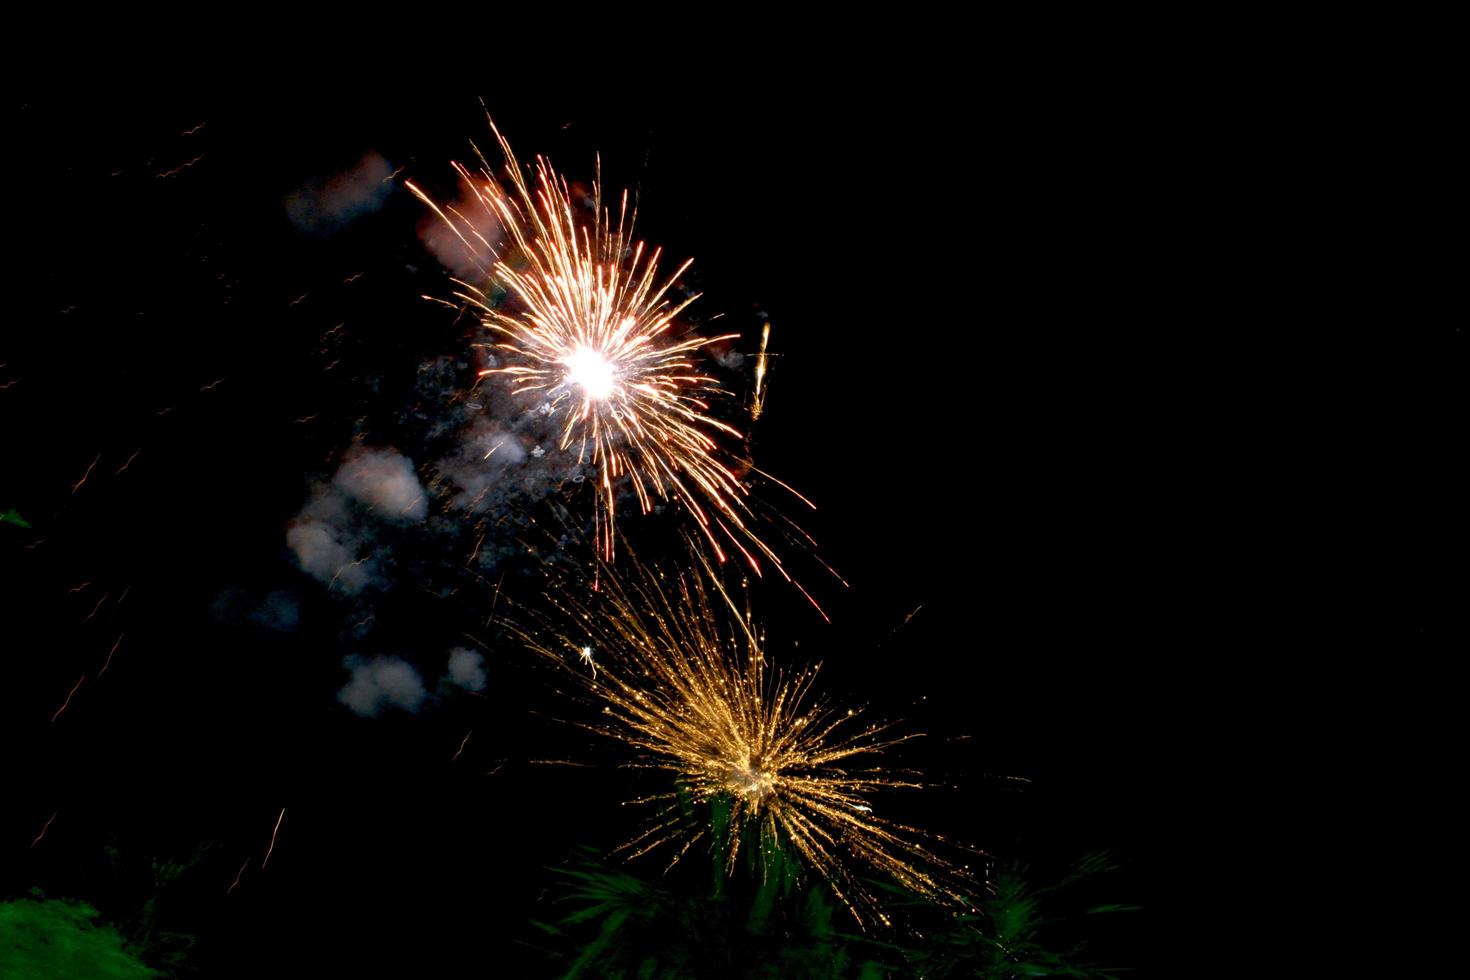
(385, 481)
(466, 669)
(331, 541)
(382, 684)
(324, 552)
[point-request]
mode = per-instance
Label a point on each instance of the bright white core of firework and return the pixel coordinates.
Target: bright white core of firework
(590, 371)
(749, 780)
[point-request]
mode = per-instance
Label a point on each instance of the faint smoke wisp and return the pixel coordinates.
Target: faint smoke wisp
(278, 612)
(323, 207)
(469, 251)
(489, 456)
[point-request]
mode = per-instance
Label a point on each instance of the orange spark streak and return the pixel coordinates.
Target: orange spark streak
(272, 846)
(180, 168)
(109, 655)
(97, 608)
(343, 569)
(78, 485)
(68, 698)
(45, 827)
(462, 745)
(238, 875)
(124, 467)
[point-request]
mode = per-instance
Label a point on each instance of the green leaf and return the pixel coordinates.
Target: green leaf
(52, 938)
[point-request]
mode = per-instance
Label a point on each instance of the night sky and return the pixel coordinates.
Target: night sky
(987, 321)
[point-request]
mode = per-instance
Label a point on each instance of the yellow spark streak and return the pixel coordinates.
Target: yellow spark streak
(684, 683)
(758, 401)
(586, 326)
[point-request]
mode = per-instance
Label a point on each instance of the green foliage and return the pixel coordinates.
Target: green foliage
(1020, 930)
(43, 939)
(144, 899)
(766, 922)
(147, 901)
(759, 924)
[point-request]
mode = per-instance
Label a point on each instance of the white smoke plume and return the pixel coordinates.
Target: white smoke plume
(380, 684)
(384, 480)
(325, 552)
(329, 540)
(466, 669)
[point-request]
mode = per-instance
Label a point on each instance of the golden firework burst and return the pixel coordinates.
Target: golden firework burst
(681, 677)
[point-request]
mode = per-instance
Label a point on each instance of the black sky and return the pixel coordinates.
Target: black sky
(993, 316)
